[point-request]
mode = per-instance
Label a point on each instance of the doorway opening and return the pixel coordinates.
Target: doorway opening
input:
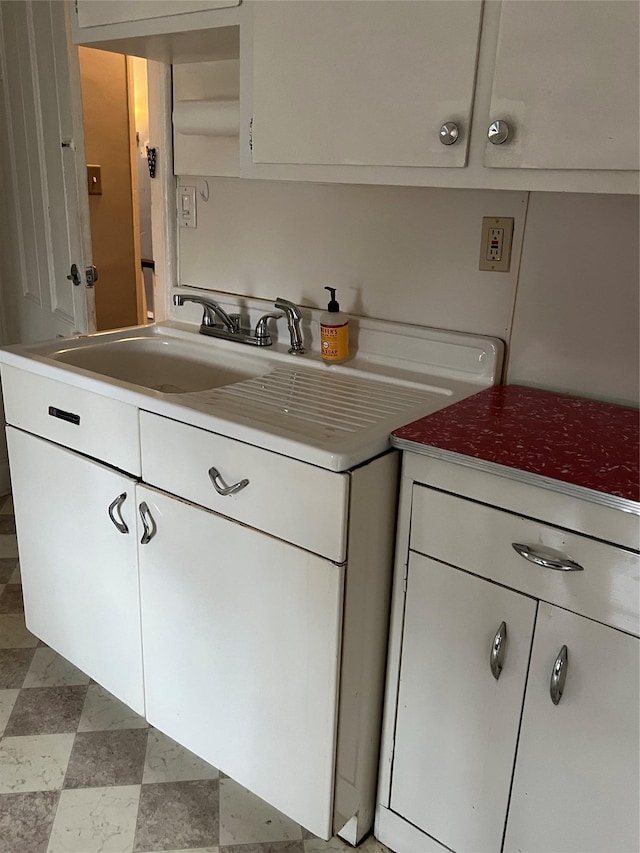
(115, 110)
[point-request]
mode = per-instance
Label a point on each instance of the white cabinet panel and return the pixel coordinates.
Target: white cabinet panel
(576, 785)
(93, 13)
(300, 503)
(363, 83)
(457, 726)
(99, 426)
(241, 654)
(480, 539)
(566, 79)
(79, 572)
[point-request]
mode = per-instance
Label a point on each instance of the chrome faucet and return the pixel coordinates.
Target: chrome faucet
(211, 310)
(294, 318)
(230, 328)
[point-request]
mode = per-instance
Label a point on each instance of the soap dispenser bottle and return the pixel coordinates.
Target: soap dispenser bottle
(334, 332)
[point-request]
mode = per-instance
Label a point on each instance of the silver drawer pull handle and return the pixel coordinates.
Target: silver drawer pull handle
(547, 557)
(498, 648)
(150, 528)
(221, 487)
(558, 676)
(114, 507)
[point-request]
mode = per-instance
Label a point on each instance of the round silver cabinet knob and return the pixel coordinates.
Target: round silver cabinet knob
(498, 132)
(449, 133)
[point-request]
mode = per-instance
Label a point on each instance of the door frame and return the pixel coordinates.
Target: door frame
(163, 188)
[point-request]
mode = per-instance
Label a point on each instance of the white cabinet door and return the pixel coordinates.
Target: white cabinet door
(363, 83)
(241, 653)
(566, 80)
(576, 782)
(94, 13)
(457, 726)
(79, 571)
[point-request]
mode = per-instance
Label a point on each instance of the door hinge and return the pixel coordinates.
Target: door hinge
(404, 580)
(152, 161)
(91, 275)
(251, 134)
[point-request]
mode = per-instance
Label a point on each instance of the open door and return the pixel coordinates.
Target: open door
(51, 291)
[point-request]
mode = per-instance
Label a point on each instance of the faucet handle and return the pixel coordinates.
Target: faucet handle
(262, 334)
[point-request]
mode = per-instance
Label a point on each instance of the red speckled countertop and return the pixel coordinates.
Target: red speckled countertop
(580, 442)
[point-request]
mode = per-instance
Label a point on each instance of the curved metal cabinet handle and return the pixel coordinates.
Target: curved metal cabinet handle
(150, 528)
(558, 676)
(546, 557)
(221, 487)
(498, 649)
(114, 507)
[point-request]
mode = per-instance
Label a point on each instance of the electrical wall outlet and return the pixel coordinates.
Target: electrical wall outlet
(495, 246)
(187, 207)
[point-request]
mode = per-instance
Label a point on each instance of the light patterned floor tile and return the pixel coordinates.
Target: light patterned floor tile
(103, 712)
(167, 761)
(246, 819)
(8, 545)
(34, 763)
(7, 701)
(49, 669)
(14, 633)
(95, 820)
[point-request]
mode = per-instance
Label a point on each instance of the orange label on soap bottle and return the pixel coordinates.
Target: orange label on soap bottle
(334, 342)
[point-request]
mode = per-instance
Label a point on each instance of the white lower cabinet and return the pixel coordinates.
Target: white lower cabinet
(241, 652)
(76, 531)
(576, 787)
(457, 725)
(545, 758)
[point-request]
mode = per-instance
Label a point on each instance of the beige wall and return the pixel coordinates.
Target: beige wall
(411, 254)
(106, 135)
(577, 321)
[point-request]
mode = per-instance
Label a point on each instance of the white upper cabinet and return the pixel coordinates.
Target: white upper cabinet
(358, 92)
(355, 83)
(566, 81)
(96, 13)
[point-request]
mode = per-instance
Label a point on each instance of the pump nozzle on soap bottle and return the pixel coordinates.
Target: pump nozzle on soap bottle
(334, 332)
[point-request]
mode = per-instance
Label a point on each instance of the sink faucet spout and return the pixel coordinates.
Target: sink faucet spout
(210, 309)
(294, 318)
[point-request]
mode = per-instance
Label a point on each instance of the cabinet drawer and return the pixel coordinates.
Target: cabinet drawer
(299, 503)
(479, 538)
(82, 420)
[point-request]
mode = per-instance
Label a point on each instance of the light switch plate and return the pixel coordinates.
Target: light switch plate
(495, 245)
(187, 207)
(94, 178)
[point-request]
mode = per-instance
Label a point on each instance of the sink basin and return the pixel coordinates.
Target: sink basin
(164, 364)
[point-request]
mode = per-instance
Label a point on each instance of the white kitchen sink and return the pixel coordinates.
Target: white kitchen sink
(332, 416)
(165, 364)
